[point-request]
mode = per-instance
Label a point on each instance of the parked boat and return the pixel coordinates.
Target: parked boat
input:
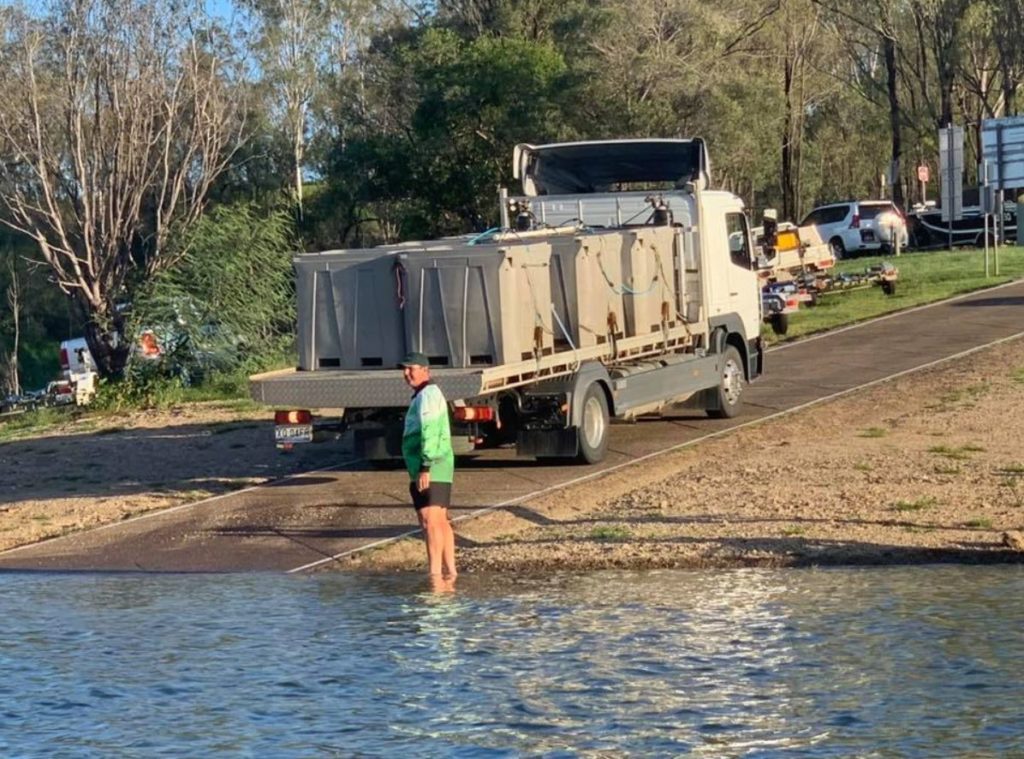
(928, 230)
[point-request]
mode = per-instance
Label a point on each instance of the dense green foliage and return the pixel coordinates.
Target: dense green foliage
(228, 305)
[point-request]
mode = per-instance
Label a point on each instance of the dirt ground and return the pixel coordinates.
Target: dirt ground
(96, 470)
(929, 467)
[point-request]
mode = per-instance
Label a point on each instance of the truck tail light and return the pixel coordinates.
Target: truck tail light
(855, 224)
(474, 413)
(64, 364)
(300, 416)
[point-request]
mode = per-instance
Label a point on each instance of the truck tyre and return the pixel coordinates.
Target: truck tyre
(593, 429)
(730, 385)
(780, 323)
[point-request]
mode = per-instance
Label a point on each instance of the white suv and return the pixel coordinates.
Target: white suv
(859, 225)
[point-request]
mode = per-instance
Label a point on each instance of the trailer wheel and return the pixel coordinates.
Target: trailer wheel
(780, 323)
(593, 429)
(730, 385)
(888, 287)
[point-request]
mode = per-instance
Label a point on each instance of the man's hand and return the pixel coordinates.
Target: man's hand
(423, 482)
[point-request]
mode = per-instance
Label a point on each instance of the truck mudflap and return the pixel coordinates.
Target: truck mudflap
(550, 443)
(755, 358)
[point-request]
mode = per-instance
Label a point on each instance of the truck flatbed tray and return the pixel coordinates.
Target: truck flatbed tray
(379, 388)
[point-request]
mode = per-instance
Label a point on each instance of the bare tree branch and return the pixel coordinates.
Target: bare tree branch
(117, 117)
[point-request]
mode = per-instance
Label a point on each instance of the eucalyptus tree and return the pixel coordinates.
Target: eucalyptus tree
(427, 154)
(875, 35)
(303, 48)
(990, 64)
(1007, 17)
(117, 117)
(939, 26)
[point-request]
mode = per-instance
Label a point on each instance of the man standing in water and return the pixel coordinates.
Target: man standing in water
(427, 450)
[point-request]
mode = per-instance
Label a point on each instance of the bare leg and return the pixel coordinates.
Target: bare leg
(448, 552)
(433, 520)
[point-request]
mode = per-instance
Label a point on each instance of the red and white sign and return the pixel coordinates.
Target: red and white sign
(923, 173)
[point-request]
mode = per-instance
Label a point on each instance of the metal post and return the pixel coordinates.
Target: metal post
(950, 163)
(984, 234)
(1002, 228)
(984, 197)
(503, 207)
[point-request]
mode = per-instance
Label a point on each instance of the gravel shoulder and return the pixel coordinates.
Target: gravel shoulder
(929, 467)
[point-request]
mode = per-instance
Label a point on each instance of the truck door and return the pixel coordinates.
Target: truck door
(744, 297)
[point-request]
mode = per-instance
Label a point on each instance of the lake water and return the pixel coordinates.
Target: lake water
(923, 661)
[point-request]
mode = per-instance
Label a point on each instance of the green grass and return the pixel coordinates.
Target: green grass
(979, 524)
(956, 453)
(919, 505)
(863, 467)
(873, 432)
(610, 533)
(794, 531)
(924, 277)
(946, 469)
(31, 423)
(967, 395)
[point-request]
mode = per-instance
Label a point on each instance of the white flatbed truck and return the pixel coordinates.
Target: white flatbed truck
(594, 301)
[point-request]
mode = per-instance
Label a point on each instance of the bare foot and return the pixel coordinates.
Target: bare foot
(439, 584)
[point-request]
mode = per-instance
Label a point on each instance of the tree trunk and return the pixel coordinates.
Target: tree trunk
(14, 301)
(108, 343)
(788, 191)
(889, 45)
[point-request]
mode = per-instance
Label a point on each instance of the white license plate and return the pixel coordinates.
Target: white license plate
(293, 433)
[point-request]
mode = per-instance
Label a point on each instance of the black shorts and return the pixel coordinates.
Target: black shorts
(438, 494)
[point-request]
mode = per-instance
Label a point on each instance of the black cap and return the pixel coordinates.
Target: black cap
(415, 359)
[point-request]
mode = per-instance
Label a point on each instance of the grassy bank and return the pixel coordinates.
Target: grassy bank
(227, 391)
(925, 277)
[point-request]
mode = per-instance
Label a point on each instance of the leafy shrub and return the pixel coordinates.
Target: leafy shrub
(226, 307)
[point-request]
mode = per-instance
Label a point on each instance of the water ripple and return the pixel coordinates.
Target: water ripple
(751, 663)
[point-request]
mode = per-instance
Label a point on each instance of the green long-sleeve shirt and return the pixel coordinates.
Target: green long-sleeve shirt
(427, 440)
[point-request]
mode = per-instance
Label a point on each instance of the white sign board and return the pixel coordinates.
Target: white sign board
(1002, 145)
(951, 172)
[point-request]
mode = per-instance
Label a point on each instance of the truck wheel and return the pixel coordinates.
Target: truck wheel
(780, 323)
(593, 429)
(730, 385)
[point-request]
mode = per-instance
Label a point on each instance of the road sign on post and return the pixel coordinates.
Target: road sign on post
(1002, 142)
(951, 172)
(923, 175)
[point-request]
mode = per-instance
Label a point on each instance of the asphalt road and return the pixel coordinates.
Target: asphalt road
(305, 520)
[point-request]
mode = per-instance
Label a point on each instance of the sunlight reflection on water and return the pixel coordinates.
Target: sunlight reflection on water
(723, 663)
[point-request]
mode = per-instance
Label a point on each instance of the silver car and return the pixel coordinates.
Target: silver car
(858, 226)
